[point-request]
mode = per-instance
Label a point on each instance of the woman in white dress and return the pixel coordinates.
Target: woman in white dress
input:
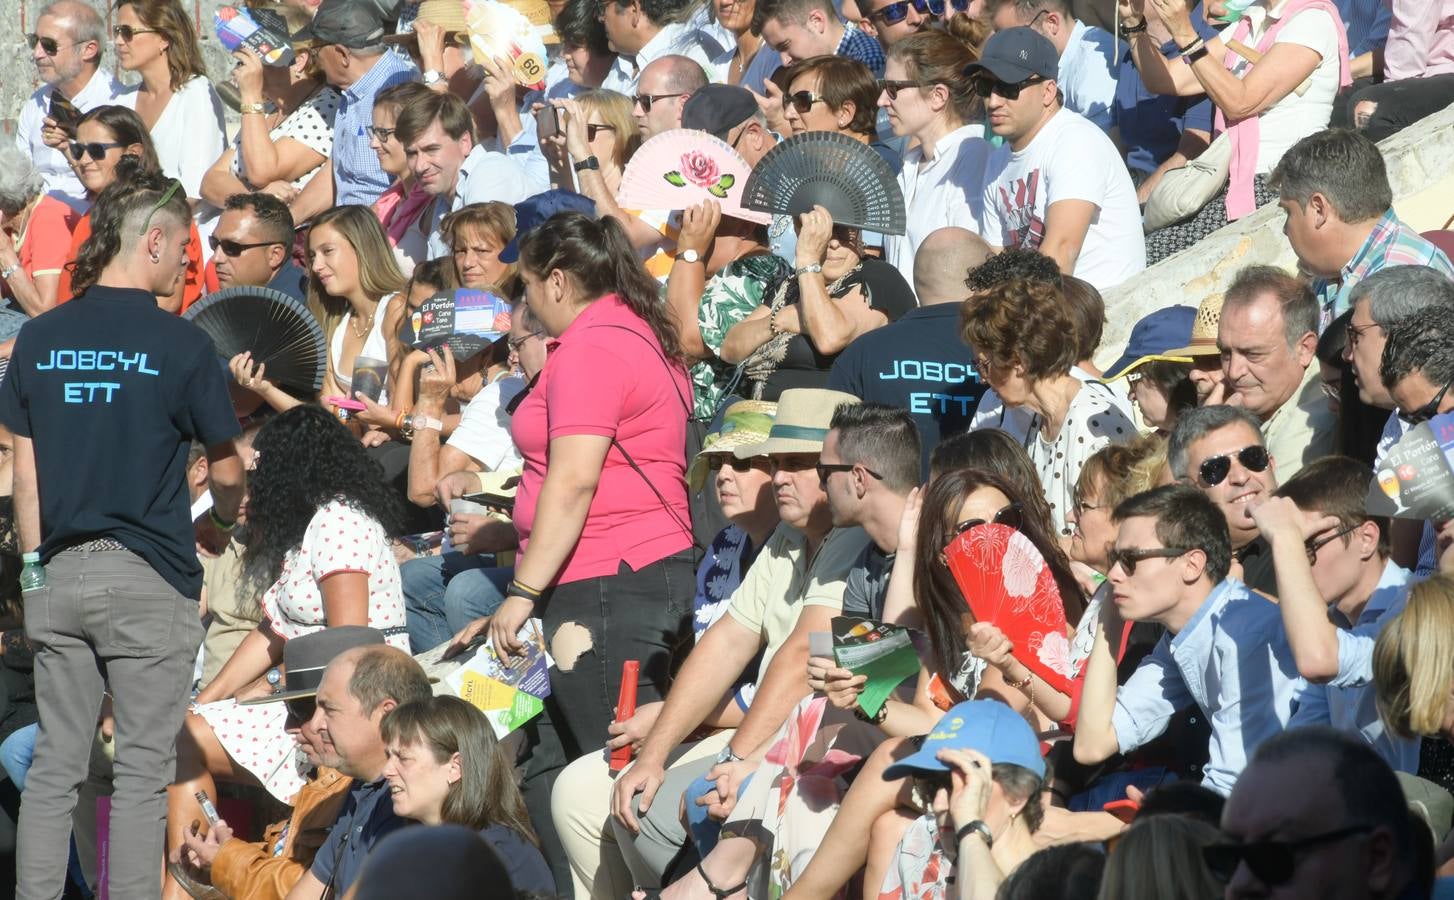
(319, 517)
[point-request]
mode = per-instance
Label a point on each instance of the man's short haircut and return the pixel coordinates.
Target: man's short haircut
(1341, 164)
(683, 74)
(1195, 424)
(1013, 265)
(272, 215)
(663, 12)
(882, 438)
(1088, 311)
(1424, 342)
(790, 11)
(1336, 486)
(83, 22)
(384, 673)
(1294, 298)
(1027, 9)
(1185, 517)
(448, 109)
(1398, 292)
(840, 81)
(1369, 789)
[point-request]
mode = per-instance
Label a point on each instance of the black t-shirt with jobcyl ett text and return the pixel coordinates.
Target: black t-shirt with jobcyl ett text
(112, 390)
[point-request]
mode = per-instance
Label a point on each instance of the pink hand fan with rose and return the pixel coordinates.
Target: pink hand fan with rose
(1008, 584)
(681, 168)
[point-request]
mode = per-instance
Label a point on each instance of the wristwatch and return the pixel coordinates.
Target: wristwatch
(976, 827)
(590, 162)
(275, 677)
(253, 109)
(9, 270)
(725, 755)
(419, 421)
(432, 77)
(803, 270)
(689, 256)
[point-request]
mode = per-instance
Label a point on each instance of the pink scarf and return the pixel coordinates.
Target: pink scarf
(1246, 133)
(397, 210)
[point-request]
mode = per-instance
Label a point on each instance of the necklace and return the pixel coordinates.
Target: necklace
(360, 331)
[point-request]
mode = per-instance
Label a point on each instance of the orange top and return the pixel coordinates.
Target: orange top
(191, 283)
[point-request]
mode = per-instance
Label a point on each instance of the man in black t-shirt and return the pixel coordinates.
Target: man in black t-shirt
(105, 395)
(919, 363)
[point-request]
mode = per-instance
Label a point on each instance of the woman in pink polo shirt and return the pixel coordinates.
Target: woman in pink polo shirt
(605, 531)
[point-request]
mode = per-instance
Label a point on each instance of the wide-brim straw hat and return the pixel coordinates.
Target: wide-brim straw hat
(801, 424)
(1203, 331)
(742, 424)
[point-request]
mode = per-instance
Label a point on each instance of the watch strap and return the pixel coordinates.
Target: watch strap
(432, 76)
(803, 270)
(978, 827)
(252, 109)
(590, 162)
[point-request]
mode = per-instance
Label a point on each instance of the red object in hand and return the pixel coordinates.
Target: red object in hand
(625, 709)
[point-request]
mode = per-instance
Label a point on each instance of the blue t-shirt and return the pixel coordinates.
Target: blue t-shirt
(1151, 124)
(366, 818)
(528, 871)
(112, 390)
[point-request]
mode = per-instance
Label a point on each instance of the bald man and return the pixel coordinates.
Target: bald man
(662, 92)
(919, 363)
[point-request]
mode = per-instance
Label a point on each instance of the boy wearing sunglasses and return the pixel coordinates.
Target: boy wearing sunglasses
(1224, 651)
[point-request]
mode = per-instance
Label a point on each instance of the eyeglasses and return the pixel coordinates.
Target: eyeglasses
(126, 32)
(235, 248)
(1215, 469)
(645, 100)
(1012, 515)
(380, 134)
(516, 343)
(595, 128)
(1428, 410)
(1081, 507)
(48, 46)
(894, 13)
(96, 150)
(1272, 862)
(987, 87)
(803, 101)
(718, 460)
(892, 88)
(1355, 332)
(1129, 559)
(1313, 546)
(166, 198)
(826, 469)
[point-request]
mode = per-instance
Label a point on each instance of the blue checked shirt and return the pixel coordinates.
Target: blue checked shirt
(863, 47)
(1232, 660)
(357, 177)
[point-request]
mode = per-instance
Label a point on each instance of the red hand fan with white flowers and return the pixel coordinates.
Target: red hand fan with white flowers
(1008, 584)
(681, 168)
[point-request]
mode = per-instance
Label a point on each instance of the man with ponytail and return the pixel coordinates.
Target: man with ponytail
(105, 395)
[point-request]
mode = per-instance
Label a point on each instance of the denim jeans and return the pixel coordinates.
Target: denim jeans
(443, 594)
(16, 753)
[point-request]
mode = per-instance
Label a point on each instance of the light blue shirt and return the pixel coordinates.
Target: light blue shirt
(1347, 702)
(483, 176)
(1233, 661)
(357, 176)
(1088, 74)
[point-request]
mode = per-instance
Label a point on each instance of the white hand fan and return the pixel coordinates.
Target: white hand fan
(683, 167)
(501, 31)
(831, 170)
(276, 329)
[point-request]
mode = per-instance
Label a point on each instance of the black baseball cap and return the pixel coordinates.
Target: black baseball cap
(718, 108)
(347, 22)
(1017, 54)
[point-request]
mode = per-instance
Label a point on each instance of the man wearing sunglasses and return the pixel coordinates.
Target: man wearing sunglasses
(66, 50)
(1224, 651)
(1333, 567)
(893, 20)
(253, 246)
(803, 29)
(1317, 814)
(1064, 190)
(1219, 451)
(1418, 365)
(1087, 55)
(662, 92)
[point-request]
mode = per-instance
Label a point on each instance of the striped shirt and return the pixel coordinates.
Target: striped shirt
(357, 176)
(1366, 22)
(1391, 243)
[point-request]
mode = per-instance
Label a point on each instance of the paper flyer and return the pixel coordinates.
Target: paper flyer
(885, 653)
(509, 696)
(1416, 478)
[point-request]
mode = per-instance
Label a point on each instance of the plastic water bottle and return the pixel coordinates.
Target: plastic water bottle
(32, 575)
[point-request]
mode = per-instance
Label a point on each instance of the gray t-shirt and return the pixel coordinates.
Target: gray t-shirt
(868, 584)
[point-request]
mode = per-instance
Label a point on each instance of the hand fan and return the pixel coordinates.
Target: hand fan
(466, 321)
(683, 167)
(831, 170)
(260, 30)
(1007, 583)
(501, 31)
(538, 12)
(276, 329)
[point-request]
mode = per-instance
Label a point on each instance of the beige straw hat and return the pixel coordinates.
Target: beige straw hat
(801, 424)
(1203, 330)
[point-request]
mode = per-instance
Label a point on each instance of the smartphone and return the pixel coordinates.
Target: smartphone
(1125, 810)
(820, 643)
(547, 122)
(208, 809)
(64, 113)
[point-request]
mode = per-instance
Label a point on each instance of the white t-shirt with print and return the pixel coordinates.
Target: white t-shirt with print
(1070, 159)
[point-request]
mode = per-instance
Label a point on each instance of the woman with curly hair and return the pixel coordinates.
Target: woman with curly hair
(319, 520)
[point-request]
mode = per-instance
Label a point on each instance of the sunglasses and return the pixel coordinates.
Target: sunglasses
(894, 13)
(1215, 469)
(301, 709)
(1428, 410)
(595, 128)
(381, 134)
(48, 46)
(1128, 559)
(1313, 546)
(718, 460)
(126, 32)
(647, 99)
(791, 464)
(96, 150)
(1272, 862)
(827, 469)
(234, 248)
(516, 343)
(892, 88)
(1012, 515)
(803, 101)
(988, 87)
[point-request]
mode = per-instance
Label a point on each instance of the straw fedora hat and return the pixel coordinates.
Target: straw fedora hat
(1203, 330)
(447, 14)
(743, 424)
(801, 424)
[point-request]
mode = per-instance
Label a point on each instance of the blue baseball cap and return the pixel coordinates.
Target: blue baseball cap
(532, 211)
(1154, 338)
(1017, 54)
(988, 726)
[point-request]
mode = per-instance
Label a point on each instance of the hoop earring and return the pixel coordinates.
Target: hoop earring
(156, 259)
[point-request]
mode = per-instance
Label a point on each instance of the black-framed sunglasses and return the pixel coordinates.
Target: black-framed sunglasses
(1312, 545)
(95, 149)
(1272, 862)
(892, 88)
(894, 13)
(803, 101)
(235, 248)
(645, 100)
(717, 460)
(300, 709)
(1428, 410)
(1012, 515)
(827, 469)
(48, 45)
(381, 134)
(988, 87)
(1129, 558)
(1215, 469)
(516, 343)
(595, 128)
(126, 32)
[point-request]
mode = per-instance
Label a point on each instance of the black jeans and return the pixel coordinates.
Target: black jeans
(1402, 103)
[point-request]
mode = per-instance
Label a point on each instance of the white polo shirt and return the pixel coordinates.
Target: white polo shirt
(51, 163)
(946, 190)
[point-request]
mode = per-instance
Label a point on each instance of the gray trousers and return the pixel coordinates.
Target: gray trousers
(662, 836)
(104, 617)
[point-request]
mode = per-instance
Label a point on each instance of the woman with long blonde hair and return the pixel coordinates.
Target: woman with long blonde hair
(1413, 662)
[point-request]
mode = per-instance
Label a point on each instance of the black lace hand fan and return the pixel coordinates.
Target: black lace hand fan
(823, 168)
(276, 329)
